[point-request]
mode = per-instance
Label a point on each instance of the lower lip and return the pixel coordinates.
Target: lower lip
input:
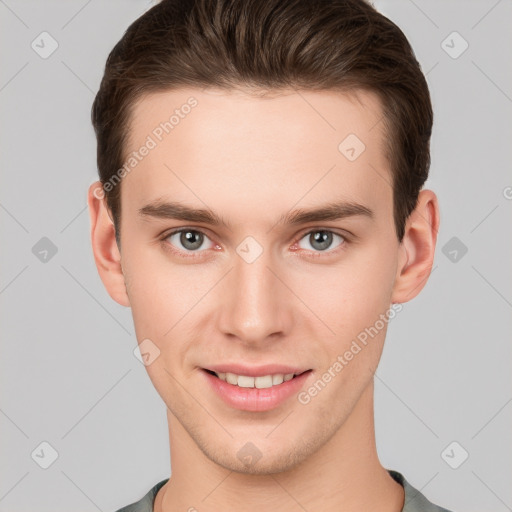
(254, 399)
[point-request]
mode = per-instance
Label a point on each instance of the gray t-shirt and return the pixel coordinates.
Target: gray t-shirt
(414, 500)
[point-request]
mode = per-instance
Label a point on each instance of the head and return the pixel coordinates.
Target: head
(256, 113)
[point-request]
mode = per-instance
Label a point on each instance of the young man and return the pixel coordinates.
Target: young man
(260, 209)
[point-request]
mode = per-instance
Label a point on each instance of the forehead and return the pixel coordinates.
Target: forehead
(240, 149)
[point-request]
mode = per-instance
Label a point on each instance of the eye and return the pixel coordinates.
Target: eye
(188, 240)
(320, 240)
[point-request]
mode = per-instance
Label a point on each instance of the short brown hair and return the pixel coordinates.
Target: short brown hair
(317, 45)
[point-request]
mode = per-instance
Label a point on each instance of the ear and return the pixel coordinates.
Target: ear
(417, 248)
(106, 253)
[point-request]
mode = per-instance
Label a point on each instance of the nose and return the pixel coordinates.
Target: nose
(256, 307)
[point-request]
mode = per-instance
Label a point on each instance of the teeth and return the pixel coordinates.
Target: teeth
(245, 382)
(277, 379)
(231, 378)
(265, 381)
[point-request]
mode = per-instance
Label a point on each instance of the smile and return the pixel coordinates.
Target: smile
(246, 381)
(256, 393)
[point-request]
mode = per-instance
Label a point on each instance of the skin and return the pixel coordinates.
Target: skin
(252, 159)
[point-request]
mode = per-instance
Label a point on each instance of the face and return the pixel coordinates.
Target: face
(259, 290)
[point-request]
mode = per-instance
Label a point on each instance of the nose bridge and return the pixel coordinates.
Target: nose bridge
(256, 307)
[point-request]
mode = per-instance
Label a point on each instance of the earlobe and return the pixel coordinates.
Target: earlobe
(104, 245)
(417, 249)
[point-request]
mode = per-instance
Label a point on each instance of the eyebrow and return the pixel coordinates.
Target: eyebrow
(328, 212)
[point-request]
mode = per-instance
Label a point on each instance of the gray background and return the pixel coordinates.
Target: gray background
(69, 376)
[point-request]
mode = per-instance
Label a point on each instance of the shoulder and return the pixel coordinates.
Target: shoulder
(414, 500)
(145, 504)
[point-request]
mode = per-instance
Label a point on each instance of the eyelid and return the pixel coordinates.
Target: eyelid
(343, 233)
(346, 240)
(163, 238)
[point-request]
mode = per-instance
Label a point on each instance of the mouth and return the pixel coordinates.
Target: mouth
(256, 393)
(259, 382)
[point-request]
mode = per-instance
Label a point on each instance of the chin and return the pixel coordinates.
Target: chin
(249, 459)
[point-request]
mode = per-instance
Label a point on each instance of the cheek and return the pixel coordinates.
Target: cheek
(341, 300)
(350, 296)
(162, 293)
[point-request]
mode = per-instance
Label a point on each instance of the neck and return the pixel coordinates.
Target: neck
(343, 475)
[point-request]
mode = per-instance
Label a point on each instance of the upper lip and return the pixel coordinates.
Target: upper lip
(256, 371)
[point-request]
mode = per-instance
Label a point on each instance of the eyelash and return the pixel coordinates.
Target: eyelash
(194, 254)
